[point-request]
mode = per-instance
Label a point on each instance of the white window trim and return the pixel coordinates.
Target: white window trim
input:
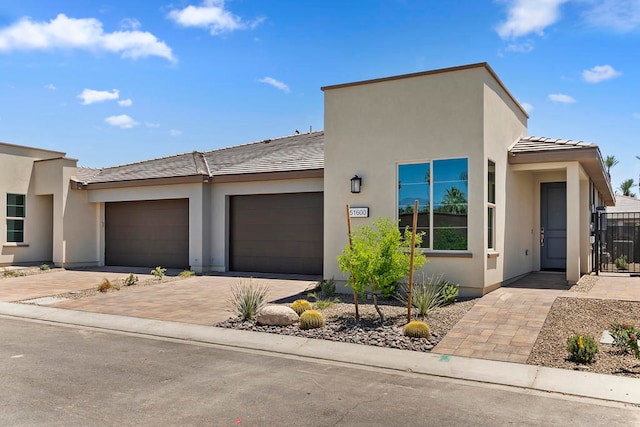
(15, 218)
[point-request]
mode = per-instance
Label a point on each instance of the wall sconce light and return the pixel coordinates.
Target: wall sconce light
(356, 183)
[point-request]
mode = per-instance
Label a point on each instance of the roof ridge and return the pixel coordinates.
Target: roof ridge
(263, 141)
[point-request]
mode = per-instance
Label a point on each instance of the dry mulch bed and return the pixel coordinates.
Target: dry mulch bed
(341, 324)
(583, 316)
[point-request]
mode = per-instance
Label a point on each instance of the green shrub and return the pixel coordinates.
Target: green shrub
(187, 273)
(417, 329)
(300, 306)
(158, 272)
(626, 337)
(131, 280)
(322, 303)
(105, 285)
(425, 295)
(12, 273)
(582, 348)
(248, 298)
(311, 319)
(448, 291)
(44, 267)
(328, 288)
(621, 263)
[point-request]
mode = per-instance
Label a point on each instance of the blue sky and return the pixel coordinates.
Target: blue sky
(111, 82)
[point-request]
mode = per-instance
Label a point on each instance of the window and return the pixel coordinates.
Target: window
(491, 205)
(441, 187)
(15, 217)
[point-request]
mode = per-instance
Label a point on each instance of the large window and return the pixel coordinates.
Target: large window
(441, 188)
(15, 217)
(491, 205)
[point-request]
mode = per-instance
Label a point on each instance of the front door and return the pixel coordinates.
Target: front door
(553, 226)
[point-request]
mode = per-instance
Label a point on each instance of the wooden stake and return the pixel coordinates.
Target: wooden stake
(355, 294)
(413, 253)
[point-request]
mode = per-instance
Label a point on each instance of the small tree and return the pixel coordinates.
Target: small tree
(609, 162)
(378, 257)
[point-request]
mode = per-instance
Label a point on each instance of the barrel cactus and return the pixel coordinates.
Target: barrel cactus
(417, 330)
(311, 319)
(300, 306)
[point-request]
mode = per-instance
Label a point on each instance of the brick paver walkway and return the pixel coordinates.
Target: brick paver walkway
(202, 300)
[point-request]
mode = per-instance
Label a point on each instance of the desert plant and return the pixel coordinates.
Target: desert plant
(311, 319)
(448, 291)
(187, 273)
(248, 298)
(582, 348)
(328, 288)
(379, 256)
(425, 295)
(621, 263)
(300, 306)
(44, 267)
(320, 302)
(626, 337)
(105, 285)
(158, 272)
(12, 273)
(131, 280)
(417, 329)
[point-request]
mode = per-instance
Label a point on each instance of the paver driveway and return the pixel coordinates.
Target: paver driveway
(200, 300)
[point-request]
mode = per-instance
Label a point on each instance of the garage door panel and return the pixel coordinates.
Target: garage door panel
(277, 233)
(147, 233)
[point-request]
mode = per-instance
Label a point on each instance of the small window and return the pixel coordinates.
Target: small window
(491, 205)
(16, 211)
(414, 182)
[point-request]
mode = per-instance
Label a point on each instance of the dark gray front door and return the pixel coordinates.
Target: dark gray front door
(553, 226)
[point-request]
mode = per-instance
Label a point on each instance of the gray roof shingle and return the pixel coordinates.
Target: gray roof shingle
(531, 144)
(289, 153)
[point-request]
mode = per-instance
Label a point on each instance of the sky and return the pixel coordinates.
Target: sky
(114, 82)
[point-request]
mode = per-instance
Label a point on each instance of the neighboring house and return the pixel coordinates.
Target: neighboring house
(622, 235)
(494, 203)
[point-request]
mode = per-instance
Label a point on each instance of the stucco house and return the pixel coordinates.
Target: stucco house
(494, 203)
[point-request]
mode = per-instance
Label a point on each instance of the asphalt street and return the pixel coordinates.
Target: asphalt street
(77, 376)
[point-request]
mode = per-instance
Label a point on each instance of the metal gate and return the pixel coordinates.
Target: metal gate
(617, 241)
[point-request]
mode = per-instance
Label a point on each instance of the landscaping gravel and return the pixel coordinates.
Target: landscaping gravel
(583, 316)
(341, 324)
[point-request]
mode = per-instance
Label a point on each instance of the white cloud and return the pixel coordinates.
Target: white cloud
(527, 107)
(125, 102)
(212, 15)
(152, 125)
(275, 83)
(130, 24)
(525, 47)
(63, 32)
(122, 121)
(619, 15)
(50, 86)
(600, 73)
(529, 16)
(562, 98)
(175, 132)
(90, 96)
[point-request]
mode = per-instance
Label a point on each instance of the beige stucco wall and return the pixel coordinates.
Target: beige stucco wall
(371, 128)
(219, 205)
(504, 123)
(17, 176)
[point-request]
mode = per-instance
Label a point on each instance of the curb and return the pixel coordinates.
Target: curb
(574, 383)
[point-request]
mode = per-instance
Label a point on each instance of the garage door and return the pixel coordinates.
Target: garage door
(147, 233)
(277, 233)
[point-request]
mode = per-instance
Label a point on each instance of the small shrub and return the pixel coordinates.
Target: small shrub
(322, 303)
(158, 272)
(247, 299)
(300, 306)
(425, 295)
(311, 319)
(12, 273)
(105, 285)
(448, 292)
(626, 337)
(417, 330)
(328, 288)
(621, 263)
(131, 280)
(44, 267)
(582, 348)
(187, 273)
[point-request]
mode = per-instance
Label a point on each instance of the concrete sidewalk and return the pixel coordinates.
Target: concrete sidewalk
(584, 384)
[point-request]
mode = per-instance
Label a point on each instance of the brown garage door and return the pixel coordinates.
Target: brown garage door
(277, 233)
(147, 233)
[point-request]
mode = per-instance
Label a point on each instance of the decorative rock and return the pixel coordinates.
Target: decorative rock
(277, 315)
